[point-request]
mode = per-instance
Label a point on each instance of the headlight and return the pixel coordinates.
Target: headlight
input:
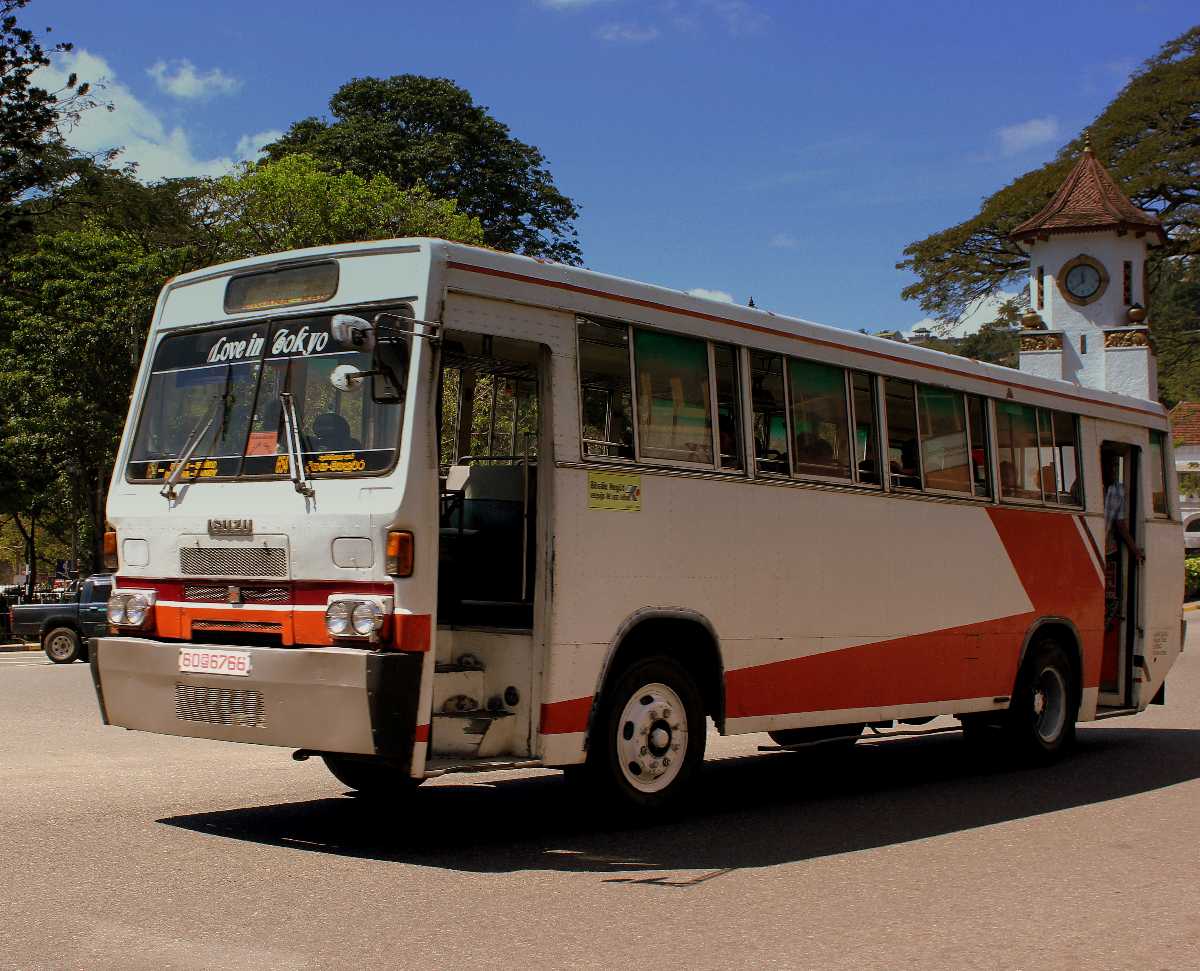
(136, 608)
(116, 610)
(367, 619)
(337, 617)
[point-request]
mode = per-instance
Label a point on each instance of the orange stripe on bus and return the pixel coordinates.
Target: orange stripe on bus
(561, 717)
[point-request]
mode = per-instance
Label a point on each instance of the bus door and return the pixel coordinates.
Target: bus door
(1120, 463)
(489, 434)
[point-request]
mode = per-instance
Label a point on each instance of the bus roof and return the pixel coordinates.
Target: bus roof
(583, 283)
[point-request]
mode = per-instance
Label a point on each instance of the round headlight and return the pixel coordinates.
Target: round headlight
(337, 617)
(116, 610)
(135, 610)
(367, 618)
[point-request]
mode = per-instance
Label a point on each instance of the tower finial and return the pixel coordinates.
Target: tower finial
(1087, 140)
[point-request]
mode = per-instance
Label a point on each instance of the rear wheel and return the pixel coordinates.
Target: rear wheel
(649, 736)
(370, 777)
(62, 645)
(845, 735)
(1041, 719)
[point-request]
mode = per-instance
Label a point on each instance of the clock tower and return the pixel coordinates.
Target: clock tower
(1087, 251)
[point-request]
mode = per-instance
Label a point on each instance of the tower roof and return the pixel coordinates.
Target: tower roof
(1087, 201)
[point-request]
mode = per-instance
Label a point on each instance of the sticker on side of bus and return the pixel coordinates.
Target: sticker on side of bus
(195, 660)
(618, 491)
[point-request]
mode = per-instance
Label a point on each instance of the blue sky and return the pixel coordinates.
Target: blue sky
(785, 150)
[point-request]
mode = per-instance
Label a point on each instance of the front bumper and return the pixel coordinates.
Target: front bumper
(324, 699)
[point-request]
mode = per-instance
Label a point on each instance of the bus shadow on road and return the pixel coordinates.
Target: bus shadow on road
(751, 811)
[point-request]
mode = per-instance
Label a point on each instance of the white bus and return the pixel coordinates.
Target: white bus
(416, 507)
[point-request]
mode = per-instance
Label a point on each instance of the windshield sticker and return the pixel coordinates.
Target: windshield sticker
(226, 349)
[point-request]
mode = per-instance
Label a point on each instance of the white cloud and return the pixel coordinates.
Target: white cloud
(1015, 139)
(783, 241)
(720, 295)
(627, 33)
(159, 150)
(180, 79)
(249, 147)
(983, 312)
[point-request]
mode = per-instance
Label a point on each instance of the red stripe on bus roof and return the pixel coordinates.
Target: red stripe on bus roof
(713, 318)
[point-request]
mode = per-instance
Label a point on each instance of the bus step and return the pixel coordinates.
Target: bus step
(435, 767)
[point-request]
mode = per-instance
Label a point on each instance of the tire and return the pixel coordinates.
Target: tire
(372, 778)
(1040, 723)
(647, 743)
(846, 735)
(62, 645)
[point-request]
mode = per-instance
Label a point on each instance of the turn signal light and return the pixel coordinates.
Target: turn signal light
(399, 553)
(110, 549)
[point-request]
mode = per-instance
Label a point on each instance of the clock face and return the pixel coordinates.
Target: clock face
(1083, 280)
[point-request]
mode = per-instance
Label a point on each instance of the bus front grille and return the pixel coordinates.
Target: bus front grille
(219, 706)
(219, 593)
(252, 561)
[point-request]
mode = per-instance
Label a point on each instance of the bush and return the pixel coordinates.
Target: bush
(1191, 578)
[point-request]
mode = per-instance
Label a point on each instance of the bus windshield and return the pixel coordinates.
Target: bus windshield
(223, 387)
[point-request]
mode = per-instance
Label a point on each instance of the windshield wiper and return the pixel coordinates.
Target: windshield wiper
(168, 490)
(223, 400)
(291, 435)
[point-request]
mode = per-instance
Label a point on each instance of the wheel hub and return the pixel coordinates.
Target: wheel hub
(652, 737)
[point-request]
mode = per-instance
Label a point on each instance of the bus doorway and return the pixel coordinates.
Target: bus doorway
(489, 432)
(1119, 463)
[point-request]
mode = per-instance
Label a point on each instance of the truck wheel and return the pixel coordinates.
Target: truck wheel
(370, 777)
(1040, 722)
(648, 740)
(61, 645)
(846, 736)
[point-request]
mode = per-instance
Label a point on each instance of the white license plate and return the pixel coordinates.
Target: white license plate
(195, 660)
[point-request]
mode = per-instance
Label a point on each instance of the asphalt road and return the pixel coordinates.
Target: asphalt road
(132, 851)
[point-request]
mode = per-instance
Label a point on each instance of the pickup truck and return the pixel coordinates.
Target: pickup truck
(63, 628)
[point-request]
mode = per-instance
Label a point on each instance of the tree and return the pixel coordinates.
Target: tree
(428, 131)
(74, 310)
(292, 203)
(1148, 138)
(1176, 328)
(32, 154)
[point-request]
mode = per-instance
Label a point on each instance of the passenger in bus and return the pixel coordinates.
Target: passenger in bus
(1008, 479)
(1116, 535)
(331, 433)
(907, 471)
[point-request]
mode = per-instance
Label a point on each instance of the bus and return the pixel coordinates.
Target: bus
(415, 507)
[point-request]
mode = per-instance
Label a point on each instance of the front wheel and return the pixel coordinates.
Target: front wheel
(62, 645)
(370, 777)
(648, 739)
(1041, 719)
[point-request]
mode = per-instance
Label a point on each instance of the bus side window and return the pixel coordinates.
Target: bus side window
(981, 462)
(1017, 447)
(820, 425)
(604, 389)
(1158, 481)
(866, 445)
(1068, 484)
(904, 452)
(729, 412)
(770, 413)
(944, 448)
(674, 412)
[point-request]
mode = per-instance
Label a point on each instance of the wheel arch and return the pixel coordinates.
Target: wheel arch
(1067, 634)
(684, 634)
(54, 623)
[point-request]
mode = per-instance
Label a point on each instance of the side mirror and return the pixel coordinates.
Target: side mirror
(389, 368)
(352, 333)
(345, 376)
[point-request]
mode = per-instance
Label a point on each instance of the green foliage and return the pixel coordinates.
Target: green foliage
(1191, 578)
(30, 117)
(1175, 323)
(1146, 138)
(420, 131)
(74, 310)
(292, 204)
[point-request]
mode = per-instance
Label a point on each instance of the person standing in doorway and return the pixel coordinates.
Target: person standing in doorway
(1116, 534)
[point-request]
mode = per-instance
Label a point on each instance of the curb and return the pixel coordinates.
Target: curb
(1192, 607)
(6, 648)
